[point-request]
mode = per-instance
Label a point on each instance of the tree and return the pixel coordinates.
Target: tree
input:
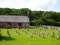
(5, 11)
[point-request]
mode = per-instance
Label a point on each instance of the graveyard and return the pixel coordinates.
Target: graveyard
(29, 22)
(42, 35)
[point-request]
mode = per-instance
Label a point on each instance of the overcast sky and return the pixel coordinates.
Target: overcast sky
(49, 5)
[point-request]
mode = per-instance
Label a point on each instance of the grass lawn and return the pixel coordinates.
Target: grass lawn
(22, 37)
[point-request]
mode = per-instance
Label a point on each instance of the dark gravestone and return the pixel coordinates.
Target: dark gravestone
(19, 25)
(0, 32)
(8, 33)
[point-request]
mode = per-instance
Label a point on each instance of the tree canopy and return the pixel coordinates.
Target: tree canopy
(36, 17)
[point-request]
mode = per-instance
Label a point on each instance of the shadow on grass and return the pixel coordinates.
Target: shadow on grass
(6, 38)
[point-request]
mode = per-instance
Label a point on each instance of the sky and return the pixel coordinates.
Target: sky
(44, 5)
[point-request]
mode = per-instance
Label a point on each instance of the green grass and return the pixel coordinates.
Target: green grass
(25, 39)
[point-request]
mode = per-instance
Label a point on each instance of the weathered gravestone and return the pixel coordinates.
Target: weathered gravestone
(52, 34)
(26, 32)
(31, 35)
(8, 33)
(45, 27)
(19, 33)
(27, 29)
(51, 27)
(58, 35)
(16, 31)
(47, 34)
(34, 32)
(42, 34)
(38, 34)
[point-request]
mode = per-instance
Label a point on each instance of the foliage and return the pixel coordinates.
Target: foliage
(36, 17)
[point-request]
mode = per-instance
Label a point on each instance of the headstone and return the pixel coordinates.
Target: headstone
(19, 34)
(42, 34)
(8, 33)
(26, 32)
(56, 28)
(39, 34)
(31, 35)
(47, 34)
(0, 32)
(27, 29)
(45, 27)
(16, 31)
(52, 34)
(34, 32)
(58, 37)
(51, 27)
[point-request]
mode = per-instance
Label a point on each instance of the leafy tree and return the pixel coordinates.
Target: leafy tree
(36, 17)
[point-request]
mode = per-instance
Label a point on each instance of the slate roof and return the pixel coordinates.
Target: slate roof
(9, 18)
